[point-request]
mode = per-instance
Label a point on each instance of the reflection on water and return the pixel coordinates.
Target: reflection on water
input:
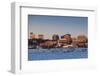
(57, 53)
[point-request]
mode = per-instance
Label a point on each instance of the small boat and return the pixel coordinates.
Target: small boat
(68, 46)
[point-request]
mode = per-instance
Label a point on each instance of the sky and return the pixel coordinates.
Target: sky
(61, 25)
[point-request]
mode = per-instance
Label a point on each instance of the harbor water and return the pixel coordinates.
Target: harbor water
(57, 53)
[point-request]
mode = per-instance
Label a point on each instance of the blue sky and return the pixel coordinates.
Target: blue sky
(49, 25)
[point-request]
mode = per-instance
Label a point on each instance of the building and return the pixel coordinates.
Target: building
(62, 41)
(32, 36)
(48, 44)
(40, 36)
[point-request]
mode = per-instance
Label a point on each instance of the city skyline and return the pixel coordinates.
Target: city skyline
(49, 25)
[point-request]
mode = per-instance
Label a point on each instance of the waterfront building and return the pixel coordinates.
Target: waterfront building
(33, 36)
(62, 42)
(48, 44)
(30, 35)
(40, 36)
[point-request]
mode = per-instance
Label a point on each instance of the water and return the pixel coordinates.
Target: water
(61, 53)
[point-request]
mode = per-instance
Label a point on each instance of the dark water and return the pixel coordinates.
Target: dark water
(61, 53)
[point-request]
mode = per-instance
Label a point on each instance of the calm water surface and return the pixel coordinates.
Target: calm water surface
(61, 53)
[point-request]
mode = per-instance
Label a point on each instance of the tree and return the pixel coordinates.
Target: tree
(55, 37)
(82, 41)
(68, 38)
